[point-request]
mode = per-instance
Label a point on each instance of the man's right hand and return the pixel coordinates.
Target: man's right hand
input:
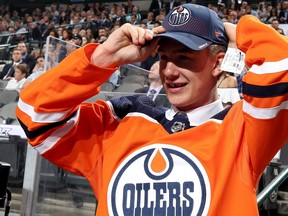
(126, 45)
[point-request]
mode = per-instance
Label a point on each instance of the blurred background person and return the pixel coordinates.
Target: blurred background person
(27, 58)
(155, 89)
(227, 87)
(37, 70)
(16, 82)
(77, 39)
(8, 69)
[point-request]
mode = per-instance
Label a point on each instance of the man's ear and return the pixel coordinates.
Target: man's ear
(217, 67)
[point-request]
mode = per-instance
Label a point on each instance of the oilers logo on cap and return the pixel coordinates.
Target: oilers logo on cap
(159, 180)
(179, 16)
(194, 26)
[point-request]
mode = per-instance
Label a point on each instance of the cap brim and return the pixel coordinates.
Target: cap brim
(191, 41)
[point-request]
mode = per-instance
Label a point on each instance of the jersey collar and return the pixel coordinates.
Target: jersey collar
(200, 115)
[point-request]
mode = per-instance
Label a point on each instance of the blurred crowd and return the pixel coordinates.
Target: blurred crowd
(85, 22)
(93, 22)
(79, 24)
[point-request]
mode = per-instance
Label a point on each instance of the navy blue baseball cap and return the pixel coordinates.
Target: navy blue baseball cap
(195, 26)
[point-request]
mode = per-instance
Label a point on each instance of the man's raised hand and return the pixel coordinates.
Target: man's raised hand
(126, 45)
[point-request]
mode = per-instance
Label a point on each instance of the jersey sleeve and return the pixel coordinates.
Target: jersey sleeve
(265, 90)
(57, 123)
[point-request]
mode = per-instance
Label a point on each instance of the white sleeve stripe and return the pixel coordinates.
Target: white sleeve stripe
(41, 117)
(57, 135)
(263, 113)
(143, 116)
(270, 67)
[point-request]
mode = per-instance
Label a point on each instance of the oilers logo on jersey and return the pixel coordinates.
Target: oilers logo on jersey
(157, 180)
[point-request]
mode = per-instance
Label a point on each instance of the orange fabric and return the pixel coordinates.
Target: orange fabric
(233, 154)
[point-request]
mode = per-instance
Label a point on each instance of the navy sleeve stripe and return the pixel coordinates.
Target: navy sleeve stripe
(265, 91)
(42, 130)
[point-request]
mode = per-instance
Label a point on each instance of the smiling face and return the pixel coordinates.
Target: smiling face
(189, 77)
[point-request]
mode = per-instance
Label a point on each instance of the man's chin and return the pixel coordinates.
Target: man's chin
(178, 102)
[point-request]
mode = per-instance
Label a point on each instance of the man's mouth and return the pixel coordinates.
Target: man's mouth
(176, 85)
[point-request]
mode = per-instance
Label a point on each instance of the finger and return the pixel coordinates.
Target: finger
(148, 34)
(128, 30)
(147, 37)
(158, 30)
(136, 34)
(142, 36)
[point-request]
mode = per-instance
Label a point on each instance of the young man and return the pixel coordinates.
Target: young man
(143, 160)
(27, 58)
(16, 83)
(77, 39)
(8, 69)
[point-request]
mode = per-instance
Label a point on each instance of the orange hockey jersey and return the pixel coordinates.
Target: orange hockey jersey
(134, 165)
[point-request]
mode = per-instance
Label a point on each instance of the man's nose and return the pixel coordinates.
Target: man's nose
(170, 70)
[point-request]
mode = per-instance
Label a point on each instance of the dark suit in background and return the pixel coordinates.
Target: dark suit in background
(7, 68)
(155, 7)
(160, 100)
(30, 61)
